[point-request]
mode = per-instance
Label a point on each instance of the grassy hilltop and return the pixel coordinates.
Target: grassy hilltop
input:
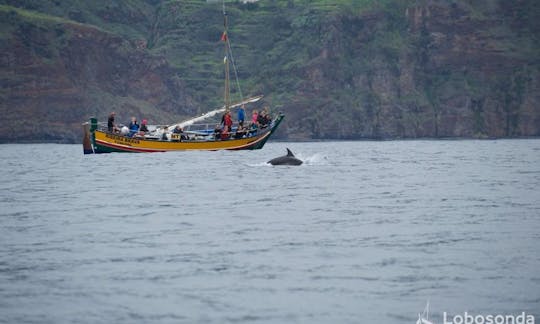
(338, 69)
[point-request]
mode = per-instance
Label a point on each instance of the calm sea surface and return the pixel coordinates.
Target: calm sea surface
(363, 232)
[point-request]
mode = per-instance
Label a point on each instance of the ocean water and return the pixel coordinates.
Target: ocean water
(362, 232)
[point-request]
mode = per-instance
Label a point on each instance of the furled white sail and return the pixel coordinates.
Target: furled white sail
(213, 113)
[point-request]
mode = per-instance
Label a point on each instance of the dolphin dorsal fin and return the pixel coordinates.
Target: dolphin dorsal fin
(289, 153)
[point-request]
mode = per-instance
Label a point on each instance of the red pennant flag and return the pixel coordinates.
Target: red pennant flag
(224, 37)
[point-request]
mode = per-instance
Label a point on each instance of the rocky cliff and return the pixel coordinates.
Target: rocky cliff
(56, 73)
(428, 69)
(347, 70)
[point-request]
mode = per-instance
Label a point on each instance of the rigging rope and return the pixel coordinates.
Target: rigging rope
(232, 58)
(235, 72)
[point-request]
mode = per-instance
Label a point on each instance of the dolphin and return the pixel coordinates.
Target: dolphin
(288, 159)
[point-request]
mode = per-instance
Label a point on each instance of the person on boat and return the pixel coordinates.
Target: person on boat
(227, 125)
(133, 127)
(164, 136)
(267, 115)
(252, 130)
(178, 130)
(225, 133)
(241, 115)
(240, 132)
(111, 126)
(227, 121)
(264, 118)
(217, 132)
(254, 116)
(223, 117)
(175, 136)
(144, 128)
(261, 119)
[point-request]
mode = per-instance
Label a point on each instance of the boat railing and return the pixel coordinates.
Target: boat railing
(195, 132)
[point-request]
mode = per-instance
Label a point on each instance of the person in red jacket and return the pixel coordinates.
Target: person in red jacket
(227, 122)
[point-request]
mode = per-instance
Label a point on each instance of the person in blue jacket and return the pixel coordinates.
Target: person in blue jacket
(133, 127)
(241, 115)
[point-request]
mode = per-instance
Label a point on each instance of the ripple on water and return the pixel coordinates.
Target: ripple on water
(361, 232)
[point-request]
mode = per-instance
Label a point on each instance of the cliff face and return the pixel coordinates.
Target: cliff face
(57, 73)
(438, 70)
(381, 69)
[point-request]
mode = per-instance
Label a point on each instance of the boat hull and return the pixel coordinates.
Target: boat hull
(104, 142)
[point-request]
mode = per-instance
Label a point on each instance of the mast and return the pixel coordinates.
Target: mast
(225, 40)
(227, 95)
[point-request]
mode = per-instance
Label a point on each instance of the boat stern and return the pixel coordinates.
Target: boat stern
(275, 125)
(88, 136)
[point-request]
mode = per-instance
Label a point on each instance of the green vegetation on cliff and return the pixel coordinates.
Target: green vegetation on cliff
(338, 69)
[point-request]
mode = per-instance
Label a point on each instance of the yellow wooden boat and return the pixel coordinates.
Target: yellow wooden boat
(98, 138)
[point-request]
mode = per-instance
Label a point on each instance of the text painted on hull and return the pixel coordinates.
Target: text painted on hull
(122, 140)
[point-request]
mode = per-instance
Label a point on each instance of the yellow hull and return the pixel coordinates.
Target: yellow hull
(122, 143)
